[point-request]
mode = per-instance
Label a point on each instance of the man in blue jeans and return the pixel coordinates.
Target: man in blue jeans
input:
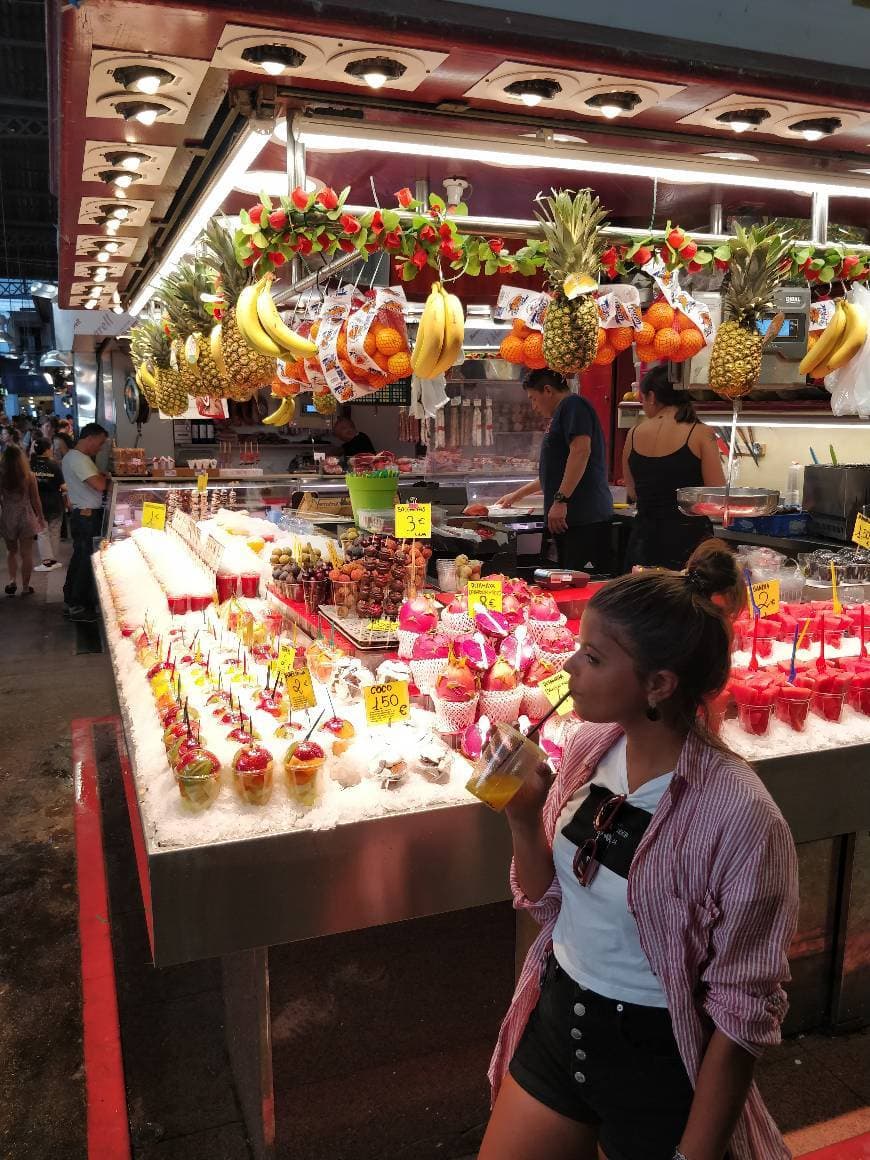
(572, 474)
(86, 487)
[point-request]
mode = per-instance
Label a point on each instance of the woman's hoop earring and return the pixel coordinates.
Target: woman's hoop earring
(652, 713)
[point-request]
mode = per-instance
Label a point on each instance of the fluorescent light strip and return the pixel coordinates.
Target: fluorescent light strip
(320, 136)
(246, 152)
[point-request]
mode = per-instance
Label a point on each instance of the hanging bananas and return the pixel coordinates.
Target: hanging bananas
(217, 353)
(440, 334)
(262, 327)
(283, 414)
(854, 336)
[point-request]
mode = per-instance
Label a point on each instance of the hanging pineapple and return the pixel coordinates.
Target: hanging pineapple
(151, 346)
(182, 296)
(246, 369)
(570, 222)
(143, 364)
(755, 273)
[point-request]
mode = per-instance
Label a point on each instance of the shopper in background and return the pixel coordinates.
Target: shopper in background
(572, 474)
(353, 442)
(664, 880)
(60, 444)
(670, 450)
(49, 479)
(25, 430)
(86, 486)
(21, 516)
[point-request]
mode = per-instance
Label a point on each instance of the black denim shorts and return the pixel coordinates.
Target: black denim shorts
(614, 1065)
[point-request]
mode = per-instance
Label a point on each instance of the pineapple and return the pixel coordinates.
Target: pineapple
(570, 222)
(181, 294)
(735, 360)
(151, 345)
(247, 370)
(141, 354)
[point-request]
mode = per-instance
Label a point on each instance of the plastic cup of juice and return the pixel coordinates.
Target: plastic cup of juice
(227, 586)
(178, 604)
(250, 584)
(508, 758)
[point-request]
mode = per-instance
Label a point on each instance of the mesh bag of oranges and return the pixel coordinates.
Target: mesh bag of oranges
(300, 375)
(620, 321)
(525, 310)
(675, 326)
(376, 340)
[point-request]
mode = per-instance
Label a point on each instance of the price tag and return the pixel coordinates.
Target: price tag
(154, 515)
(300, 690)
(555, 689)
(387, 703)
(486, 592)
(413, 521)
(286, 659)
(202, 482)
(389, 626)
(861, 534)
(214, 551)
(765, 597)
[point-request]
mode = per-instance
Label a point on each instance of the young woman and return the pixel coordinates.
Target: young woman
(672, 449)
(21, 516)
(664, 879)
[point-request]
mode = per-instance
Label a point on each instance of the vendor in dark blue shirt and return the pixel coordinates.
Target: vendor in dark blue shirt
(572, 475)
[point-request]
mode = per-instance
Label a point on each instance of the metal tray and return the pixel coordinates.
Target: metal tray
(740, 502)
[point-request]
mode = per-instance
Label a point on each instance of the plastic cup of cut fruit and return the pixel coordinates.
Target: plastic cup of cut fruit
(507, 759)
(312, 594)
(859, 693)
(250, 584)
(302, 774)
(344, 596)
(227, 586)
(792, 706)
(828, 706)
(754, 719)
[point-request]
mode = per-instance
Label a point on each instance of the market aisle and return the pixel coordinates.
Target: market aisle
(43, 685)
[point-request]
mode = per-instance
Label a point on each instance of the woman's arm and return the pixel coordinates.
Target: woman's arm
(720, 1093)
(627, 477)
(711, 462)
(512, 496)
(35, 501)
(533, 859)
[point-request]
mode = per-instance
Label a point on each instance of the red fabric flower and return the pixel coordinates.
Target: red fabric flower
(303, 246)
(496, 245)
(277, 258)
(347, 245)
(325, 241)
(393, 240)
(277, 219)
(328, 198)
(428, 234)
(450, 251)
(377, 225)
(299, 198)
(255, 213)
(445, 231)
(371, 247)
(404, 197)
(349, 224)
(420, 258)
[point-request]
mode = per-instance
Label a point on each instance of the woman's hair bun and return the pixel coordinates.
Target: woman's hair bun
(712, 571)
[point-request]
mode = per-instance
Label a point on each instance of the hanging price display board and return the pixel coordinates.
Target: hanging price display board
(413, 521)
(154, 515)
(387, 703)
(556, 691)
(300, 690)
(486, 592)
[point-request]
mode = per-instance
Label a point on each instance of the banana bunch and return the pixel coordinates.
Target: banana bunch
(840, 341)
(440, 334)
(263, 328)
(284, 414)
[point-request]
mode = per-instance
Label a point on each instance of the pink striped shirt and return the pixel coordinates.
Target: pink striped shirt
(713, 889)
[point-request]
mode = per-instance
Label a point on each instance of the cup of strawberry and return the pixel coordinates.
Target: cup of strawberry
(252, 773)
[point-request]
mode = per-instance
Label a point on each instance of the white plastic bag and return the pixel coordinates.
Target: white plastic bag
(850, 386)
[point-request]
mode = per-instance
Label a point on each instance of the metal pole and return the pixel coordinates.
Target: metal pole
(716, 217)
(295, 174)
(819, 218)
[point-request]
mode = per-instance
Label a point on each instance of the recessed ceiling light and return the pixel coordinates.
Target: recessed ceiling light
(142, 78)
(740, 120)
(100, 275)
(120, 213)
(726, 156)
(122, 178)
(376, 70)
(274, 58)
(103, 256)
(95, 292)
(112, 247)
(113, 225)
(556, 138)
(91, 304)
(534, 90)
(145, 112)
(815, 128)
(613, 105)
(127, 160)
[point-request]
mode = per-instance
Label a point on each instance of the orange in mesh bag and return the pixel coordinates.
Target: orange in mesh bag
(378, 347)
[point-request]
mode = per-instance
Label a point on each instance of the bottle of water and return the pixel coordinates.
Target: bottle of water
(791, 497)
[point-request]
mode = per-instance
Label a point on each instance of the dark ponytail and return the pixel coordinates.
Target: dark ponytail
(679, 622)
(657, 383)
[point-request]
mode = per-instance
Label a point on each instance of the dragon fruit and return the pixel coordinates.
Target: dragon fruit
(502, 677)
(476, 650)
(494, 624)
(544, 607)
(430, 646)
(557, 640)
(519, 653)
(539, 671)
(457, 683)
(418, 615)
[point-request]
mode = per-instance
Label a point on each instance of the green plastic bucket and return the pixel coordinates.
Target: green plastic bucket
(375, 493)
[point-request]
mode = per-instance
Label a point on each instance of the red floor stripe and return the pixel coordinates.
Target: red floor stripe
(135, 828)
(107, 1129)
(857, 1149)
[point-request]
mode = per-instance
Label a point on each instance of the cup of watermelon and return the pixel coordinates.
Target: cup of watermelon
(792, 706)
(755, 697)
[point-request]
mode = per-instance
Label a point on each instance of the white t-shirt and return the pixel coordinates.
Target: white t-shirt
(595, 940)
(76, 468)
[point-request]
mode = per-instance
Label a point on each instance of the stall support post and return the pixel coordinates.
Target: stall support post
(819, 217)
(248, 1030)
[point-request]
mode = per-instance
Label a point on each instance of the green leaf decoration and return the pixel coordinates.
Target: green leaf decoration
(259, 240)
(460, 210)
(436, 202)
(826, 274)
(703, 257)
(723, 253)
(265, 201)
(409, 271)
(391, 219)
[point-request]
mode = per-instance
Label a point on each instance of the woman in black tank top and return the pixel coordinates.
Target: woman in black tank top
(662, 536)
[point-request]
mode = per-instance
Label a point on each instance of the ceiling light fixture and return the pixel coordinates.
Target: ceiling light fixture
(91, 304)
(103, 256)
(612, 105)
(112, 247)
(376, 70)
(117, 308)
(127, 160)
(142, 78)
(95, 291)
(100, 275)
(322, 136)
(815, 128)
(145, 112)
(731, 156)
(249, 147)
(534, 90)
(274, 58)
(740, 120)
(120, 177)
(112, 225)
